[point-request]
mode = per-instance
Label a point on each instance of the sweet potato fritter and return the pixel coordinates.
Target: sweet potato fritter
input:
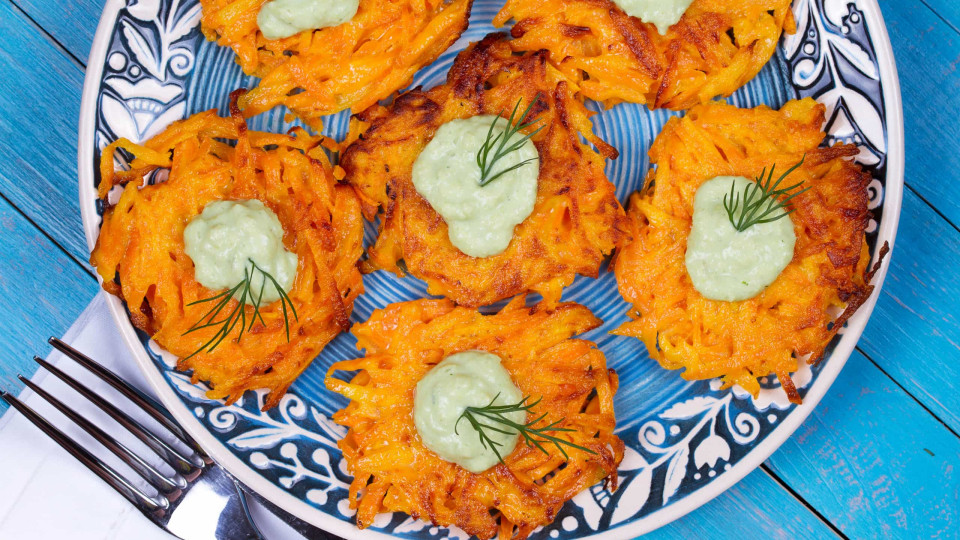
(394, 471)
(576, 219)
(714, 49)
(141, 245)
(793, 318)
(352, 65)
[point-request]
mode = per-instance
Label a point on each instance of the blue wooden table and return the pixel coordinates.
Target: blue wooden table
(880, 456)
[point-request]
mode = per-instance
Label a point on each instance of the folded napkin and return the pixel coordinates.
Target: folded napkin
(47, 494)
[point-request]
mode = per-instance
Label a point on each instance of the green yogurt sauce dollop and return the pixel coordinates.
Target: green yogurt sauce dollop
(280, 19)
(466, 379)
(661, 13)
(227, 235)
(724, 263)
(480, 219)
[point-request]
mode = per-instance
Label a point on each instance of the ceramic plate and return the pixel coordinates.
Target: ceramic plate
(686, 441)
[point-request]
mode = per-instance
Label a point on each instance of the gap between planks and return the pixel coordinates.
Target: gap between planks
(941, 17)
(46, 235)
(932, 207)
(908, 393)
(53, 39)
(766, 468)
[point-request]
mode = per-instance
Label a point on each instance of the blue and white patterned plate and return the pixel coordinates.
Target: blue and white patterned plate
(686, 441)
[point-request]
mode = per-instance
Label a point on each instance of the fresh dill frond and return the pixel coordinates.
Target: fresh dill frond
(760, 201)
(238, 314)
(501, 144)
(533, 436)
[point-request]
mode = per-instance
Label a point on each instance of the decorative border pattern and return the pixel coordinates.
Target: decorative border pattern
(148, 63)
(695, 437)
(832, 59)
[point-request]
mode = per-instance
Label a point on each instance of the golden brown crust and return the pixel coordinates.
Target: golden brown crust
(394, 471)
(790, 319)
(141, 244)
(717, 47)
(576, 220)
(352, 65)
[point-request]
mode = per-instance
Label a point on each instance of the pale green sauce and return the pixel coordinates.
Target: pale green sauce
(280, 19)
(466, 379)
(227, 235)
(726, 264)
(480, 220)
(662, 13)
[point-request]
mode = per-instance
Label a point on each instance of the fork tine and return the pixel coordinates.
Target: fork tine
(145, 470)
(146, 403)
(130, 492)
(178, 461)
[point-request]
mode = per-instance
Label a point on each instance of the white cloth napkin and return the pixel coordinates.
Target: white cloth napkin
(47, 494)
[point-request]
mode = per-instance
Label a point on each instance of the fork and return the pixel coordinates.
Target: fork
(198, 501)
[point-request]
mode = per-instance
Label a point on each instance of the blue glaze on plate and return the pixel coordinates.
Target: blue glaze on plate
(682, 437)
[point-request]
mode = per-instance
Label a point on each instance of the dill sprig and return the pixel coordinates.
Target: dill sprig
(532, 436)
(239, 312)
(501, 144)
(761, 200)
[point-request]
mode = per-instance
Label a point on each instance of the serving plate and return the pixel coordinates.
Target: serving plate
(686, 441)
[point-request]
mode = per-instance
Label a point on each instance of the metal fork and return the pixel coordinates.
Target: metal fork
(199, 501)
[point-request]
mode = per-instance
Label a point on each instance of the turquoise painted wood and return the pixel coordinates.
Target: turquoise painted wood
(874, 462)
(38, 129)
(863, 460)
(72, 24)
(914, 334)
(948, 10)
(757, 507)
(42, 291)
(926, 44)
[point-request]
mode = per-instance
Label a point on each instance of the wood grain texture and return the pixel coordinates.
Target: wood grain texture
(38, 129)
(948, 10)
(914, 333)
(756, 507)
(72, 23)
(873, 462)
(927, 50)
(41, 293)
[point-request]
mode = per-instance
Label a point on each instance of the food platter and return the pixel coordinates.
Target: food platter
(686, 441)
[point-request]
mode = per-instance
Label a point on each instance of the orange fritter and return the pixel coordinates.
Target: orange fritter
(140, 251)
(715, 48)
(576, 219)
(796, 316)
(353, 65)
(394, 471)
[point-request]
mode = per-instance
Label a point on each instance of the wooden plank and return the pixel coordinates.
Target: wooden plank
(70, 23)
(914, 333)
(41, 293)
(756, 507)
(926, 49)
(873, 462)
(948, 10)
(38, 129)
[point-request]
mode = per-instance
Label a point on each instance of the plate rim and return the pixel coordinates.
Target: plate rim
(243, 472)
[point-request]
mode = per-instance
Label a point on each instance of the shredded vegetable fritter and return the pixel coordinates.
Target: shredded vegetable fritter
(576, 218)
(140, 251)
(795, 317)
(352, 65)
(394, 471)
(714, 49)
